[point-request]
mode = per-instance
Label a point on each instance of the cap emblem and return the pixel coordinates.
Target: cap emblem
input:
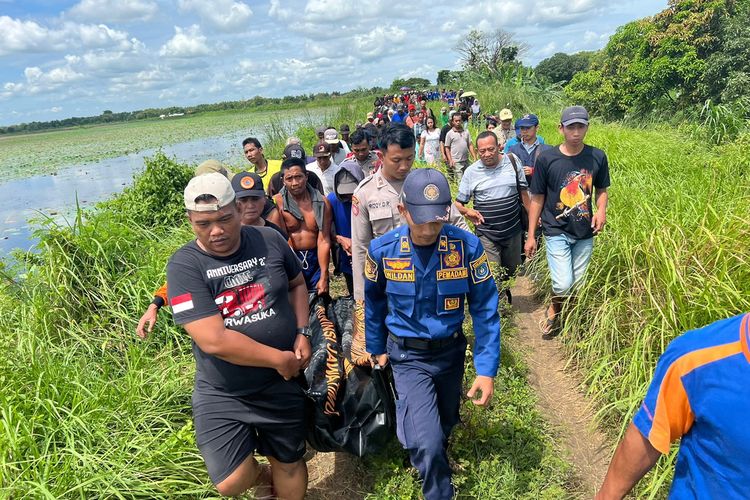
(431, 192)
(247, 182)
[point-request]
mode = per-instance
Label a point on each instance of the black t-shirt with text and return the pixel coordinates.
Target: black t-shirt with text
(250, 290)
(566, 182)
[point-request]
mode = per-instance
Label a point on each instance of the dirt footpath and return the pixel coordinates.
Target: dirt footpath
(560, 399)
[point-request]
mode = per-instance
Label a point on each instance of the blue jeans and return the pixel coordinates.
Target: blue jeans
(567, 259)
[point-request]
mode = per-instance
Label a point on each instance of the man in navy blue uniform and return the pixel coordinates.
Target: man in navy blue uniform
(418, 278)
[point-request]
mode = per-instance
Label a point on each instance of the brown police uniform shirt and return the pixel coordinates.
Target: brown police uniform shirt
(374, 213)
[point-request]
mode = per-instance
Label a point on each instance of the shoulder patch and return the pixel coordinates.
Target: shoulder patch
(480, 269)
(355, 206)
(371, 268)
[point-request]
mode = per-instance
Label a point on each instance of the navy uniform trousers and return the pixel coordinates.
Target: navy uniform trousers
(428, 383)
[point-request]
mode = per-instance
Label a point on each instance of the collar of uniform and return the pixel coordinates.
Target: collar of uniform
(442, 244)
(380, 180)
(405, 244)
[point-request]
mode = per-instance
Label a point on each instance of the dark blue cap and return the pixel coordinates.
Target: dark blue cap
(574, 114)
(427, 195)
(527, 121)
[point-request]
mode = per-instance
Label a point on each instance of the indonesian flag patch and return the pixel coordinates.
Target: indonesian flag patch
(181, 303)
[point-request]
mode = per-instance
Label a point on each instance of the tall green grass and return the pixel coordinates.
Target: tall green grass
(674, 256)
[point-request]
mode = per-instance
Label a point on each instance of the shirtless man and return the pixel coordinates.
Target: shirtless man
(306, 216)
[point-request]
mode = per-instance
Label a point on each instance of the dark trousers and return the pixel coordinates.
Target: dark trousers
(506, 253)
(428, 384)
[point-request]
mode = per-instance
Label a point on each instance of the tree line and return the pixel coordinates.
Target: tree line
(107, 116)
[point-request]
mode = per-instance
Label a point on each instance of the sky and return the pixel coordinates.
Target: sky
(78, 58)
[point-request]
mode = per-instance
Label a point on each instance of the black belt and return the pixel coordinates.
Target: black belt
(424, 344)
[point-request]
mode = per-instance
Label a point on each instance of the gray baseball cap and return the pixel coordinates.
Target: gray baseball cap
(213, 184)
(574, 114)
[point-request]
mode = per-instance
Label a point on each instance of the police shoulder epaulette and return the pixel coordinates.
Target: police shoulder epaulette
(363, 183)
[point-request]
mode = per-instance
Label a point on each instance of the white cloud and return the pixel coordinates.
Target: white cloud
(55, 109)
(278, 12)
(29, 36)
(336, 11)
(187, 43)
(546, 51)
(227, 16)
(37, 81)
(379, 42)
(113, 11)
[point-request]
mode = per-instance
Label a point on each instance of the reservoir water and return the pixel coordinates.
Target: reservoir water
(55, 196)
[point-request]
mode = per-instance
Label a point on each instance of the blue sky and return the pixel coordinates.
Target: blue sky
(77, 58)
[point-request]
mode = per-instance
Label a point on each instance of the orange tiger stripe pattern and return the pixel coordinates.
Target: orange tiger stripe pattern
(359, 351)
(333, 377)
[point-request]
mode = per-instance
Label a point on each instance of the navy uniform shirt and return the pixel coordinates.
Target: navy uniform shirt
(410, 300)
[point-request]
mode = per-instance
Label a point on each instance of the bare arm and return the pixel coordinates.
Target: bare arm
(535, 211)
(600, 217)
(634, 457)
(232, 346)
(298, 300)
(473, 215)
(526, 200)
(274, 216)
(472, 151)
(324, 247)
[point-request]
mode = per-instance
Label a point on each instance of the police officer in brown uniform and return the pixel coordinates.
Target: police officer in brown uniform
(375, 202)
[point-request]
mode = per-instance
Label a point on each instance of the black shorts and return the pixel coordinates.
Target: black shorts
(229, 428)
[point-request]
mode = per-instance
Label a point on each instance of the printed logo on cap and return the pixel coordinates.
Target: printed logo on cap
(431, 192)
(247, 182)
(321, 149)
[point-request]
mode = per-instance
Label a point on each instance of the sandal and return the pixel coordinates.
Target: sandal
(549, 325)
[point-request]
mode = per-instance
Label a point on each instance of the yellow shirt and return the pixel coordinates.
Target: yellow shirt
(274, 166)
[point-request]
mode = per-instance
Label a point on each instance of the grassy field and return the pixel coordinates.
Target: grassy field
(45, 152)
(674, 257)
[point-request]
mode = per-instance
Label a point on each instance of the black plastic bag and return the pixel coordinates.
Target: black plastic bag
(350, 408)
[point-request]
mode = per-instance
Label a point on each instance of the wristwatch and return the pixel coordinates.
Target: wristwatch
(304, 331)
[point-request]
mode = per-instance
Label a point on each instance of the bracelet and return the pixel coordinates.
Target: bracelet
(158, 302)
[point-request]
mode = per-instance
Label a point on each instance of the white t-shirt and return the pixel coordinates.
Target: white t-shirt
(431, 145)
(327, 177)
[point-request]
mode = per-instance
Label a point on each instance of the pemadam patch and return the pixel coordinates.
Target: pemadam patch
(371, 268)
(480, 269)
(452, 303)
(398, 269)
(452, 262)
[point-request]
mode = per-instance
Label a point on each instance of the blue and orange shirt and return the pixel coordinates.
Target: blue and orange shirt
(701, 394)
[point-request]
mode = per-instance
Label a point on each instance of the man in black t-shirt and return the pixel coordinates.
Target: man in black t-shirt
(239, 293)
(568, 182)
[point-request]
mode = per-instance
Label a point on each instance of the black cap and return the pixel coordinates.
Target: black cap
(247, 184)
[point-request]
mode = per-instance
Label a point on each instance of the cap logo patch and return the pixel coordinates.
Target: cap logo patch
(431, 192)
(247, 182)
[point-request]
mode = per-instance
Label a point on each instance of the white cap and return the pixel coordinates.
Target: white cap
(213, 184)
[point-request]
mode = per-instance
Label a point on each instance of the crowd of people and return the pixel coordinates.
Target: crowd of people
(269, 236)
